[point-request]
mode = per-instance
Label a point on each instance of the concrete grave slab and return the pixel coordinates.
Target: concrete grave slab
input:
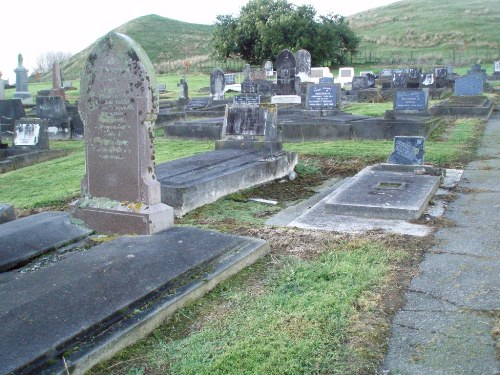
(24, 239)
(46, 312)
(383, 191)
(191, 182)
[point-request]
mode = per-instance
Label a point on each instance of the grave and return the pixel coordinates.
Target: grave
(53, 108)
(323, 97)
(345, 76)
(249, 153)
(496, 71)
(10, 111)
(320, 72)
(303, 60)
(2, 89)
(411, 102)
(413, 78)
(22, 82)
(183, 92)
(162, 88)
(467, 101)
(217, 84)
(268, 67)
(285, 71)
(408, 151)
(118, 105)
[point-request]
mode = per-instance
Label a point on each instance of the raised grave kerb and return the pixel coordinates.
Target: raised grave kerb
(118, 105)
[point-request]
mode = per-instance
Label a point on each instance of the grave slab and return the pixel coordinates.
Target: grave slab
(47, 312)
(26, 238)
(191, 182)
(381, 191)
(464, 106)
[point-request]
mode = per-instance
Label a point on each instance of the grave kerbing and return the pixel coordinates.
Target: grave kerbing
(118, 105)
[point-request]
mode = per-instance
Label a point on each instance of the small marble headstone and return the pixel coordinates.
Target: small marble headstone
(428, 80)
(303, 60)
(470, 85)
(162, 88)
(268, 67)
(217, 84)
(497, 67)
(118, 105)
(286, 71)
(31, 133)
(408, 150)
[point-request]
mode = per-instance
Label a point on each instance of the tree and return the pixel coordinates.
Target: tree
(45, 61)
(266, 27)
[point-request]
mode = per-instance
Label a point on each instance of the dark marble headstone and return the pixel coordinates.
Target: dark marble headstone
(53, 108)
(470, 85)
(359, 83)
(31, 133)
(303, 61)
(217, 84)
(247, 99)
(198, 103)
(248, 87)
(322, 96)
(118, 105)
(408, 150)
(246, 120)
(399, 80)
(10, 110)
(285, 71)
(326, 81)
(410, 100)
(370, 80)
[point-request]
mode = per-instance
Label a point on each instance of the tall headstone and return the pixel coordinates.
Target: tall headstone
(119, 105)
(22, 82)
(217, 84)
(268, 67)
(303, 60)
(285, 71)
(183, 91)
(57, 89)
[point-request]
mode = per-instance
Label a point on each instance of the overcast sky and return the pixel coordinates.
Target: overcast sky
(33, 27)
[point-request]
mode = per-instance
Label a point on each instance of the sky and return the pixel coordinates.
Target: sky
(35, 27)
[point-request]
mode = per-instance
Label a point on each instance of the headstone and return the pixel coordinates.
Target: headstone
(386, 73)
(285, 71)
(441, 72)
(497, 66)
(68, 85)
(57, 89)
(11, 110)
(7, 213)
(246, 99)
(399, 80)
(268, 67)
(22, 82)
(53, 108)
(118, 105)
(322, 97)
(359, 83)
(326, 81)
(449, 69)
(303, 61)
(2, 90)
(230, 78)
(247, 72)
(248, 87)
(477, 70)
(264, 88)
(217, 84)
(162, 88)
(246, 120)
(183, 91)
(31, 133)
(410, 100)
(345, 76)
(408, 150)
(428, 80)
(470, 85)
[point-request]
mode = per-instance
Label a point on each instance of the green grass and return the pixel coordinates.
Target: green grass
(294, 320)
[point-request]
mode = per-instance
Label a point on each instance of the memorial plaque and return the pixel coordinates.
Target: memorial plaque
(198, 103)
(326, 81)
(285, 71)
(410, 100)
(217, 84)
(408, 151)
(303, 60)
(322, 96)
(471, 85)
(247, 99)
(31, 133)
(118, 105)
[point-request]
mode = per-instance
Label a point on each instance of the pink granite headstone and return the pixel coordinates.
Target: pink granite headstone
(118, 105)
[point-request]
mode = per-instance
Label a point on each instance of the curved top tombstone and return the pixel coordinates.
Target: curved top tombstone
(285, 72)
(303, 59)
(118, 105)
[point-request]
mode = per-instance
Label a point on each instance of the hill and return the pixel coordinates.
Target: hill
(459, 30)
(165, 41)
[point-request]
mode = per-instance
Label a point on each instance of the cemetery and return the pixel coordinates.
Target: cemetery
(277, 209)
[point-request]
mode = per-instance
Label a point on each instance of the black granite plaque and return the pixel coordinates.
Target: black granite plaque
(408, 150)
(246, 120)
(321, 97)
(410, 100)
(247, 99)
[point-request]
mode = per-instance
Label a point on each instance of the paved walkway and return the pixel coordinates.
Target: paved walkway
(452, 306)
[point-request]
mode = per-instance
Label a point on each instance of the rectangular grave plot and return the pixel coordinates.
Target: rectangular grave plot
(246, 121)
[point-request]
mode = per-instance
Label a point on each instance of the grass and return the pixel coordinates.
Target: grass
(285, 315)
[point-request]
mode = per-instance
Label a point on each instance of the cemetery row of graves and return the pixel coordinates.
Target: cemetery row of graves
(235, 159)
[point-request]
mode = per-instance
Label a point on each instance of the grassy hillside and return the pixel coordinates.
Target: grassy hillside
(459, 30)
(165, 40)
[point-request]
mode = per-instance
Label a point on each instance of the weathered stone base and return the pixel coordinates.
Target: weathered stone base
(125, 220)
(197, 180)
(464, 106)
(15, 161)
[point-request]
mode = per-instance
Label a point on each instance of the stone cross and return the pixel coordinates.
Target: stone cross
(118, 105)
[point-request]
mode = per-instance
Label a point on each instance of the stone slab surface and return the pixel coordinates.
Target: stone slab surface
(24, 239)
(43, 312)
(191, 182)
(385, 194)
(447, 323)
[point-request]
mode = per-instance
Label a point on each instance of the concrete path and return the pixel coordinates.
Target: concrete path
(453, 305)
